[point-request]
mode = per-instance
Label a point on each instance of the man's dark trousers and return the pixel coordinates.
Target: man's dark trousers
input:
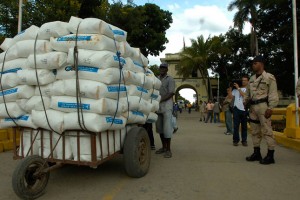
(239, 117)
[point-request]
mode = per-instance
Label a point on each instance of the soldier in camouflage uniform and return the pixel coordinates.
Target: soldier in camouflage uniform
(262, 97)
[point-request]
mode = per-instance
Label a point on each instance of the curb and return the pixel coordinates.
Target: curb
(287, 142)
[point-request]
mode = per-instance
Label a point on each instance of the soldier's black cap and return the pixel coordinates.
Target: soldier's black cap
(163, 65)
(259, 58)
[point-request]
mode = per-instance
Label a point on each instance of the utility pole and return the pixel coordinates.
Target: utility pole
(20, 16)
(295, 59)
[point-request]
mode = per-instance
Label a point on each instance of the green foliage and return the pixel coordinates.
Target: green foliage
(155, 69)
(146, 25)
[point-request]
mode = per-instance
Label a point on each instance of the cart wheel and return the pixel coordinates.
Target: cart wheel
(27, 184)
(137, 153)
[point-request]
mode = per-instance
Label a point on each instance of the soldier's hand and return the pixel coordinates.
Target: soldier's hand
(268, 113)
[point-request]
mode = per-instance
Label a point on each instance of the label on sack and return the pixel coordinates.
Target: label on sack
(115, 121)
(23, 118)
(141, 89)
(118, 32)
(154, 96)
(138, 64)
(83, 106)
(122, 60)
(83, 68)
(11, 70)
(137, 113)
(116, 88)
(74, 38)
(10, 91)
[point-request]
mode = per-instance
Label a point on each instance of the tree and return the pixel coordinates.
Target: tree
(247, 12)
(88, 8)
(196, 58)
(146, 25)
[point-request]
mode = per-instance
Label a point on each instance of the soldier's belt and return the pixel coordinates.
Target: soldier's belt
(253, 121)
(255, 102)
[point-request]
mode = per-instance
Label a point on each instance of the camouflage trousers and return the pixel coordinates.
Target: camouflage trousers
(260, 126)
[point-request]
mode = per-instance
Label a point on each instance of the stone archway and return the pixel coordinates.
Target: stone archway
(186, 86)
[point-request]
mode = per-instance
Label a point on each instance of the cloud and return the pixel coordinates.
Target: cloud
(193, 22)
(173, 7)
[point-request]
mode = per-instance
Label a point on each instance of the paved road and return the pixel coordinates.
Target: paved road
(205, 166)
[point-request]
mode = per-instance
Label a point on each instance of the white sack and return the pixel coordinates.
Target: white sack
(63, 145)
(34, 103)
(47, 148)
(52, 89)
(107, 76)
(152, 117)
(93, 122)
(137, 104)
(13, 66)
(84, 41)
(103, 106)
(139, 92)
(26, 47)
(51, 60)
(9, 80)
(94, 89)
(56, 119)
(151, 80)
(30, 143)
(90, 26)
(14, 110)
(19, 92)
(135, 117)
(119, 34)
(98, 59)
(155, 95)
(53, 29)
(8, 42)
(154, 105)
(28, 76)
(134, 66)
(28, 34)
(24, 121)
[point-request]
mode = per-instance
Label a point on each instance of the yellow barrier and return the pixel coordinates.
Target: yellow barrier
(6, 139)
(291, 130)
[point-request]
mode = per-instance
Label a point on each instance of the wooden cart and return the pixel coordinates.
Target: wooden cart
(31, 175)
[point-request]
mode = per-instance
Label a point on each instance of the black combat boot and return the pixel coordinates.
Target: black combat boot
(256, 156)
(269, 159)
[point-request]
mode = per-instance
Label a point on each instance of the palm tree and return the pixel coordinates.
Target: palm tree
(247, 12)
(195, 58)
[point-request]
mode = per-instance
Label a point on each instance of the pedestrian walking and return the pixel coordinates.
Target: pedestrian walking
(228, 112)
(164, 125)
(262, 96)
(239, 112)
(209, 111)
(189, 107)
(202, 111)
(217, 110)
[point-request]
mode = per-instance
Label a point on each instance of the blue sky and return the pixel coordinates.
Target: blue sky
(192, 18)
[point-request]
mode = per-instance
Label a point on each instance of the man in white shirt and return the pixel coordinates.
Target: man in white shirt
(239, 112)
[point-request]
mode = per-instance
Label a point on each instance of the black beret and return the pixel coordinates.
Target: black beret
(259, 58)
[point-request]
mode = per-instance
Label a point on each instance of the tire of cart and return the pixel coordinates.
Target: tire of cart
(28, 180)
(137, 152)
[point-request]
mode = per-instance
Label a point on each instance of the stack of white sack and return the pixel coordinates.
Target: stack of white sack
(17, 80)
(109, 87)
